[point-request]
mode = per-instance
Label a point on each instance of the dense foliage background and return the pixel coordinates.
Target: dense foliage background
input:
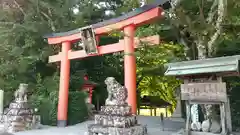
(24, 53)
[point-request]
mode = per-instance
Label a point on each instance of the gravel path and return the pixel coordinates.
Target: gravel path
(153, 124)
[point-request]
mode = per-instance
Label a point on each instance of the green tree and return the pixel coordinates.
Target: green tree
(24, 52)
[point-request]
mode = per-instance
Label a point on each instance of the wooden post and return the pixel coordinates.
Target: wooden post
(223, 118)
(90, 95)
(130, 67)
(155, 111)
(151, 111)
(64, 85)
(98, 104)
(226, 120)
(177, 114)
(228, 115)
(138, 112)
(188, 112)
(166, 111)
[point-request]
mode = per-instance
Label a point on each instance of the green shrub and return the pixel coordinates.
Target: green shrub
(45, 98)
(8, 97)
(47, 106)
(77, 109)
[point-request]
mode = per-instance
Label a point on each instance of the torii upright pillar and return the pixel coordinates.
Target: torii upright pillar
(64, 85)
(130, 66)
(128, 23)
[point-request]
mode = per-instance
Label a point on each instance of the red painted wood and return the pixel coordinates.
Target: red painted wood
(130, 67)
(89, 88)
(64, 83)
(90, 95)
(117, 47)
(144, 18)
(141, 19)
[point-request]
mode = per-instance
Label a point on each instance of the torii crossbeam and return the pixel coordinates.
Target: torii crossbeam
(128, 23)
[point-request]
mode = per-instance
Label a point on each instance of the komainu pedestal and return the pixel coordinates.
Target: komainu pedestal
(115, 118)
(19, 116)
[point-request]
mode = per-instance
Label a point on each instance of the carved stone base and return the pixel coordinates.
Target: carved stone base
(14, 124)
(123, 110)
(116, 121)
(19, 105)
(19, 117)
(98, 129)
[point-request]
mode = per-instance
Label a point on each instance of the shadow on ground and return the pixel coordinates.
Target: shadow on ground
(153, 123)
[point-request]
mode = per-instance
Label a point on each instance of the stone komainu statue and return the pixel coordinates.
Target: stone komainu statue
(117, 94)
(115, 117)
(21, 93)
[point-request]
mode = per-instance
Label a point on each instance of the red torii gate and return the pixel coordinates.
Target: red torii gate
(127, 23)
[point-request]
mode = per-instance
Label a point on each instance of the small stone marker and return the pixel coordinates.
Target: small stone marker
(1, 101)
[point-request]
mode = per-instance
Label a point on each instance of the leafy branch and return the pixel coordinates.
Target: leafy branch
(205, 31)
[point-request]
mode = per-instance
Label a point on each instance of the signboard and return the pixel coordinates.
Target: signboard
(208, 92)
(89, 40)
